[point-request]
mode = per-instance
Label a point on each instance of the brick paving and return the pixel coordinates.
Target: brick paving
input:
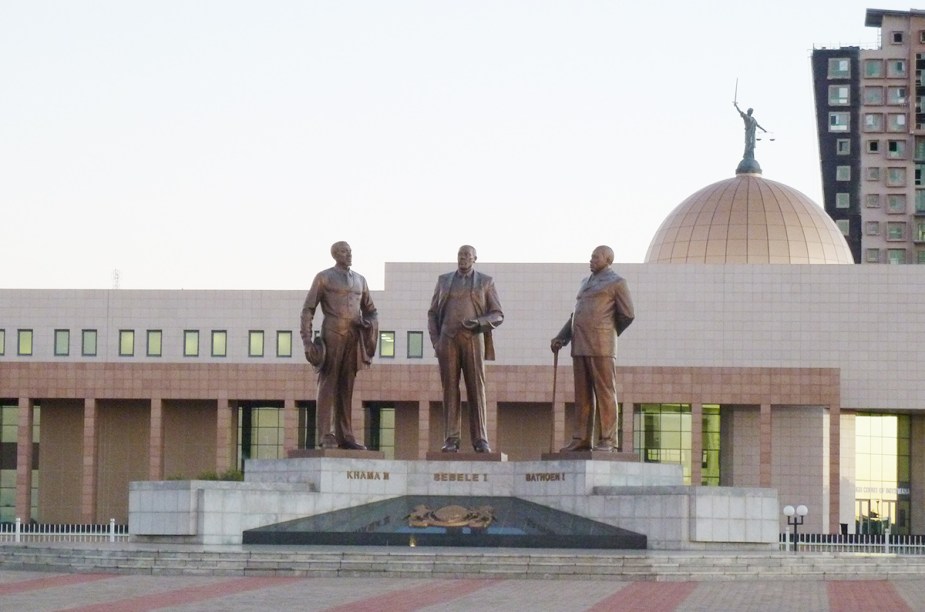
(39, 592)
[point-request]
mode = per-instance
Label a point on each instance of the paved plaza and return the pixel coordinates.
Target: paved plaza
(41, 591)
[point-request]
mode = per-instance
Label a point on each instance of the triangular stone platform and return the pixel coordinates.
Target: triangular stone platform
(430, 520)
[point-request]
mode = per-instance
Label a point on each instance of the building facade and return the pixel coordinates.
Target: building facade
(870, 112)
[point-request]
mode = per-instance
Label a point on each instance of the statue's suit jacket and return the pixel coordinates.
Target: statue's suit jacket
(602, 311)
(484, 297)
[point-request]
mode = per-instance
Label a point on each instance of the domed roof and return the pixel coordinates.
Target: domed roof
(748, 219)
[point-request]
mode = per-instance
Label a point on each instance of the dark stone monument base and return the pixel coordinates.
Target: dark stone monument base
(748, 166)
(337, 453)
(590, 456)
(464, 456)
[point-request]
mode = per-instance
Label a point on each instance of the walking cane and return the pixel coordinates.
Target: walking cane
(555, 375)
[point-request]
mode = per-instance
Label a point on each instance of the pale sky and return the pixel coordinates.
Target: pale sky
(226, 144)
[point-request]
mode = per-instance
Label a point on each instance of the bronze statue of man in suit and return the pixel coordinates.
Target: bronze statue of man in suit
(602, 311)
(349, 333)
(465, 307)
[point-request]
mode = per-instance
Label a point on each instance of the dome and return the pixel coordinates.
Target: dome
(748, 219)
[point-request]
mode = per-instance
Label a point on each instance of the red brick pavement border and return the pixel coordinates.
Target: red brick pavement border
(646, 597)
(50, 582)
(420, 597)
(865, 595)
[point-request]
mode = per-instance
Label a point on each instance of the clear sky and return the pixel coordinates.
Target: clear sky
(226, 144)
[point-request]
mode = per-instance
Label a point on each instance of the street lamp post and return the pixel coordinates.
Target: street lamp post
(795, 518)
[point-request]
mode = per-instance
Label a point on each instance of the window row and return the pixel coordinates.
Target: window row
(840, 121)
(875, 68)
(895, 202)
(893, 256)
(218, 343)
(873, 95)
(895, 230)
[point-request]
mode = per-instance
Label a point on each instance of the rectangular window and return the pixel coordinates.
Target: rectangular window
(920, 148)
(872, 200)
(896, 68)
(896, 95)
(843, 146)
(191, 343)
(896, 203)
(919, 201)
(842, 200)
(2, 342)
(839, 68)
(62, 342)
(415, 345)
(873, 256)
(126, 343)
(872, 228)
(896, 149)
(219, 343)
(838, 95)
(896, 122)
(873, 122)
(155, 343)
(872, 174)
(921, 257)
(896, 177)
(88, 342)
(255, 343)
(284, 344)
(843, 225)
(873, 95)
(897, 37)
(873, 146)
(839, 122)
(896, 256)
(919, 174)
(843, 173)
(919, 232)
(24, 342)
(895, 230)
(873, 68)
(387, 344)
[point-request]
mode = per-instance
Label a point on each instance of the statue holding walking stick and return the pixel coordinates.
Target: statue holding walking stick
(603, 310)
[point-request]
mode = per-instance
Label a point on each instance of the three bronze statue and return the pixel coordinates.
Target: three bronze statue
(464, 310)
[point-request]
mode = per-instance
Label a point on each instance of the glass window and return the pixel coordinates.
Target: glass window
(219, 343)
(415, 344)
(662, 434)
(920, 232)
(896, 256)
(2, 341)
(872, 174)
(24, 342)
(62, 342)
(896, 95)
(155, 343)
(919, 174)
(895, 230)
(920, 148)
(126, 343)
(839, 122)
(873, 146)
(896, 177)
(896, 149)
(838, 95)
(920, 200)
(896, 203)
(873, 95)
(191, 343)
(896, 37)
(872, 200)
(873, 68)
(921, 257)
(88, 343)
(872, 228)
(873, 255)
(387, 344)
(843, 173)
(896, 68)
(842, 200)
(843, 146)
(843, 226)
(284, 344)
(255, 343)
(896, 122)
(873, 122)
(839, 68)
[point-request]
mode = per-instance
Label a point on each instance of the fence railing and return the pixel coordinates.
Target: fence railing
(52, 532)
(862, 543)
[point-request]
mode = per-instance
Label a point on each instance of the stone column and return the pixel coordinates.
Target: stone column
(224, 441)
(90, 444)
(423, 427)
(626, 416)
(765, 451)
(156, 440)
(358, 416)
(24, 460)
(290, 426)
(834, 467)
(696, 443)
